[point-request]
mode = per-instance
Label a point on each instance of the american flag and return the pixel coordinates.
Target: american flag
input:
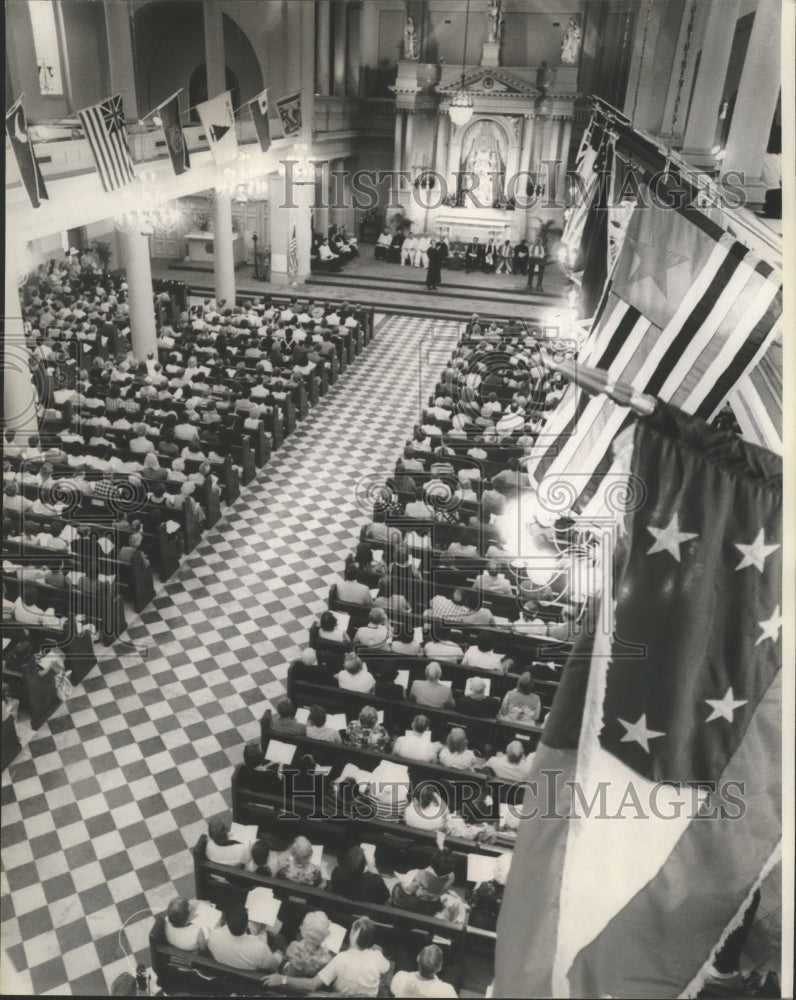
(630, 876)
(688, 312)
(106, 131)
(292, 255)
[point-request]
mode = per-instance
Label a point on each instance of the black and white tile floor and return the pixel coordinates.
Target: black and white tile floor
(102, 807)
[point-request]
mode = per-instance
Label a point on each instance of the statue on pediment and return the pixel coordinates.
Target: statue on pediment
(493, 21)
(570, 47)
(410, 39)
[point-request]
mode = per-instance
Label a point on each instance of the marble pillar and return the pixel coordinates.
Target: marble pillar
(224, 257)
(138, 268)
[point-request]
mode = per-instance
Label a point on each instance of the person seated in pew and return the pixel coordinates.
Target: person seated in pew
(425, 982)
(423, 892)
(386, 686)
(355, 675)
(330, 631)
(232, 944)
(180, 931)
(483, 656)
(26, 611)
(445, 650)
(426, 811)
(521, 704)
(152, 472)
(131, 553)
(416, 743)
(306, 956)
(456, 752)
(223, 851)
(492, 581)
(512, 765)
(140, 443)
(350, 590)
(365, 561)
(382, 245)
(462, 542)
(477, 703)
(404, 641)
(431, 691)
(297, 865)
(361, 970)
(306, 668)
(486, 897)
(395, 606)
(317, 728)
(258, 862)
(350, 879)
(285, 719)
(366, 731)
(377, 634)
(476, 613)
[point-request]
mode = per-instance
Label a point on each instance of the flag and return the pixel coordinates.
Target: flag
(757, 401)
(258, 106)
(289, 109)
(218, 122)
(106, 131)
(590, 269)
(292, 255)
(689, 310)
(169, 113)
(631, 875)
(29, 171)
(585, 186)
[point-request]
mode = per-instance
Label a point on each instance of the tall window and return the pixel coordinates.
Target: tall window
(45, 43)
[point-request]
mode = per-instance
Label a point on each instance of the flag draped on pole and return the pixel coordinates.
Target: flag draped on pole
(106, 131)
(258, 106)
(218, 122)
(169, 112)
(585, 186)
(29, 171)
(757, 400)
(289, 109)
(689, 310)
(658, 785)
(292, 255)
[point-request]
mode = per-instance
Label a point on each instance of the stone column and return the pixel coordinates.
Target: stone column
(340, 37)
(138, 267)
(290, 205)
(563, 151)
(441, 154)
(323, 200)
(410, 124)
(757, 96)
(307, 71)
(700, 131)
(454, 156)
(397, 157)
(214, 48)
(527, 143)
(224, 257)
(322, 47)
(120, 55)
(19, 394)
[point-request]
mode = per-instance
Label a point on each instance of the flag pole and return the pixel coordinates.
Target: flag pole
(596, 381)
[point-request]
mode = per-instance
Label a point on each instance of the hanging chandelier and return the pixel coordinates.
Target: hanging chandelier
(302, 168)
(461, 106)
(144, 210)
(243, 179)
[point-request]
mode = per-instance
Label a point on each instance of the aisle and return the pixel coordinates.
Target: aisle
(102, 807)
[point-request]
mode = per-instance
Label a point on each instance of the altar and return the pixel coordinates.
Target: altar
(200, 248)
(488, 224)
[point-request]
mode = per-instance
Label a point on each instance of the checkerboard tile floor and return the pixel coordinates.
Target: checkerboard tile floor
(100, 810)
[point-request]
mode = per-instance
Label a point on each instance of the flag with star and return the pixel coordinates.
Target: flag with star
(687, 312)
(29, 170)
(218, 121)
(657, 781)
(106, 131)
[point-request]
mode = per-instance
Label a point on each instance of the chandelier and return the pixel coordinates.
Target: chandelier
(461, 106)
(243, 179)
(144, 210)
(302, 169)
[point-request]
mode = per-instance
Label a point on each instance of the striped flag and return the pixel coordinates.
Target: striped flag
(688, 312)
(106, 131)
(757, 401)
(292, 255)
(29, 170)
(585, 186)
(630, 880)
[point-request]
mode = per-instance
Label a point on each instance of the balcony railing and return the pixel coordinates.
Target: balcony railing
(354, 114)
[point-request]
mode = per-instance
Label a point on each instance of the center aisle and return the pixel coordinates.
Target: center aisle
(104, 804)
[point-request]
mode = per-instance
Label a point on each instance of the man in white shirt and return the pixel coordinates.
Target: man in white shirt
(220, 850)
(408, 249)
(421, 253)
(233, 945)
(424, 982)
(180, 931)
(325, 252)
(492, 580)
(416, 743)
(382, 245)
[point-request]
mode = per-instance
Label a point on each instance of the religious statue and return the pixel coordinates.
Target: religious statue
(410, 39)
(570, 47)
(493, 21)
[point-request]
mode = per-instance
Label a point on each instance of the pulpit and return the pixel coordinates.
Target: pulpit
(200, 248)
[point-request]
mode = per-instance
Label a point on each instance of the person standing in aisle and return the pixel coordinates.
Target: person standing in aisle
(434, 271)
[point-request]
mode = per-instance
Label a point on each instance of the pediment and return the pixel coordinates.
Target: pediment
(488, 82)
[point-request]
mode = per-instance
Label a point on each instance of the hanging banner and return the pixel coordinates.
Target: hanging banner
(289, 109)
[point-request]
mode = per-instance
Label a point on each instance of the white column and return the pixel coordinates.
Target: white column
(290, 205)
(307, 70)
(563, 151)
(19, 394)
(120, 55)
(340, 36)
(214, 48)
(138, 267)
(700, 131)
(397, 156)
(322, 203)
(322, 67)
(224, 258)
(410, 124)
(527, 143)
(757, 93)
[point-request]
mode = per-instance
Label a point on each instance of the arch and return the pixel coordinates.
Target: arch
(197, 89)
